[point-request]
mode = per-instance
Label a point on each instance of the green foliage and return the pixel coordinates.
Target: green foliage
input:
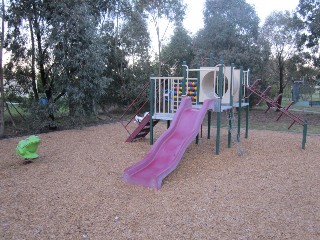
(309, 14)
(307, 19)
(78, 62)
(157, 10)
(230, 31)
(281, 34)
(179, 49)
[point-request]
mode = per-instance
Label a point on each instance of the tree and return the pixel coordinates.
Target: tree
(26, 42)
(77, 54)
(179, 49)
(230, 30)
(281, 35)
(157, 10)
(308, 17)
(1, 73)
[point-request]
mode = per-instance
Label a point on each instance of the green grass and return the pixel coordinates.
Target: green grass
(14, 112)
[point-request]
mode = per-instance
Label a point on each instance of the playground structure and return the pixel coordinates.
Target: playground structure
(181, 100)
(274, 103)
(219, 82)
(185, 101)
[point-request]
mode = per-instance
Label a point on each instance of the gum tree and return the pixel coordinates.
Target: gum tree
(230, 30)
(157, 11)
(308, 18)
(281, 34)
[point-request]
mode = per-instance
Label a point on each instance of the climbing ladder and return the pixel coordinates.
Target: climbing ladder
(142, 130)
(143, 127)
(274, 103)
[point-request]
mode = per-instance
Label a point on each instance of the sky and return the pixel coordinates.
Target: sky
(193, 21)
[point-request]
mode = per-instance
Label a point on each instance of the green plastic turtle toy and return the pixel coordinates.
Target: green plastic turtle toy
(28, 147)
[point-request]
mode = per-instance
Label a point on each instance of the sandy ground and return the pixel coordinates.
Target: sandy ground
(75, 189)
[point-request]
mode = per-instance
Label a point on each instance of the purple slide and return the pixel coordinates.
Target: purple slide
(165, 155)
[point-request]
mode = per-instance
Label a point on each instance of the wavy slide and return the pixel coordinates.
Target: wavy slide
(165, 155)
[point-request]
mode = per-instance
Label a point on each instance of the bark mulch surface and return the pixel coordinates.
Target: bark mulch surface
(266, 187)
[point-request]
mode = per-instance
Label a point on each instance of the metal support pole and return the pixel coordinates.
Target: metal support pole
(152, 89)
(230, 128)
(211, 60)
(184, 75)
(240, 103)
(304, 138)
(198, 83)
(247, 121)
(209, 124)
(219, 110)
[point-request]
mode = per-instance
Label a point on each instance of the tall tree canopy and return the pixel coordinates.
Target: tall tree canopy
(308, 13)
(78, 61)
(281, 35)
(157, 10)
(230, 30)
(178, 49)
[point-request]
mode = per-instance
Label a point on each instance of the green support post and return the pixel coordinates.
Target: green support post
(304, 138)
(231, 85)
(198, 83)
(230, 114)
(219, 110)
(209, 124)
(247, 121)
(247, 111)
(209, 112)
(211, 61)
(184, 75)
(197, 139)
(240, 103)
(152, 89)
(247, 99)
(230, 128)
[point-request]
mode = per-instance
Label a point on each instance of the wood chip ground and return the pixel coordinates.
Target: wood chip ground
(74, 190)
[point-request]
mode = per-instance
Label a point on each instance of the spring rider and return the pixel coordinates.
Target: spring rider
(27, 148)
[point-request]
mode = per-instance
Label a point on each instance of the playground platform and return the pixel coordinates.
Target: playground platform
(169, 116)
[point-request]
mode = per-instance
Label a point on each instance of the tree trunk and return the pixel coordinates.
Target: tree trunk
(1, 76)
(43, 77)
(33, 60)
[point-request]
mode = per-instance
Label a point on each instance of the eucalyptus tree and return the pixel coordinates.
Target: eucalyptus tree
(77, 50)
(157, 11)
(281, 35)
(1, 72)
(308, 17)
(230, 30)
(27, 45)
(179, 49)
(134, 44)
